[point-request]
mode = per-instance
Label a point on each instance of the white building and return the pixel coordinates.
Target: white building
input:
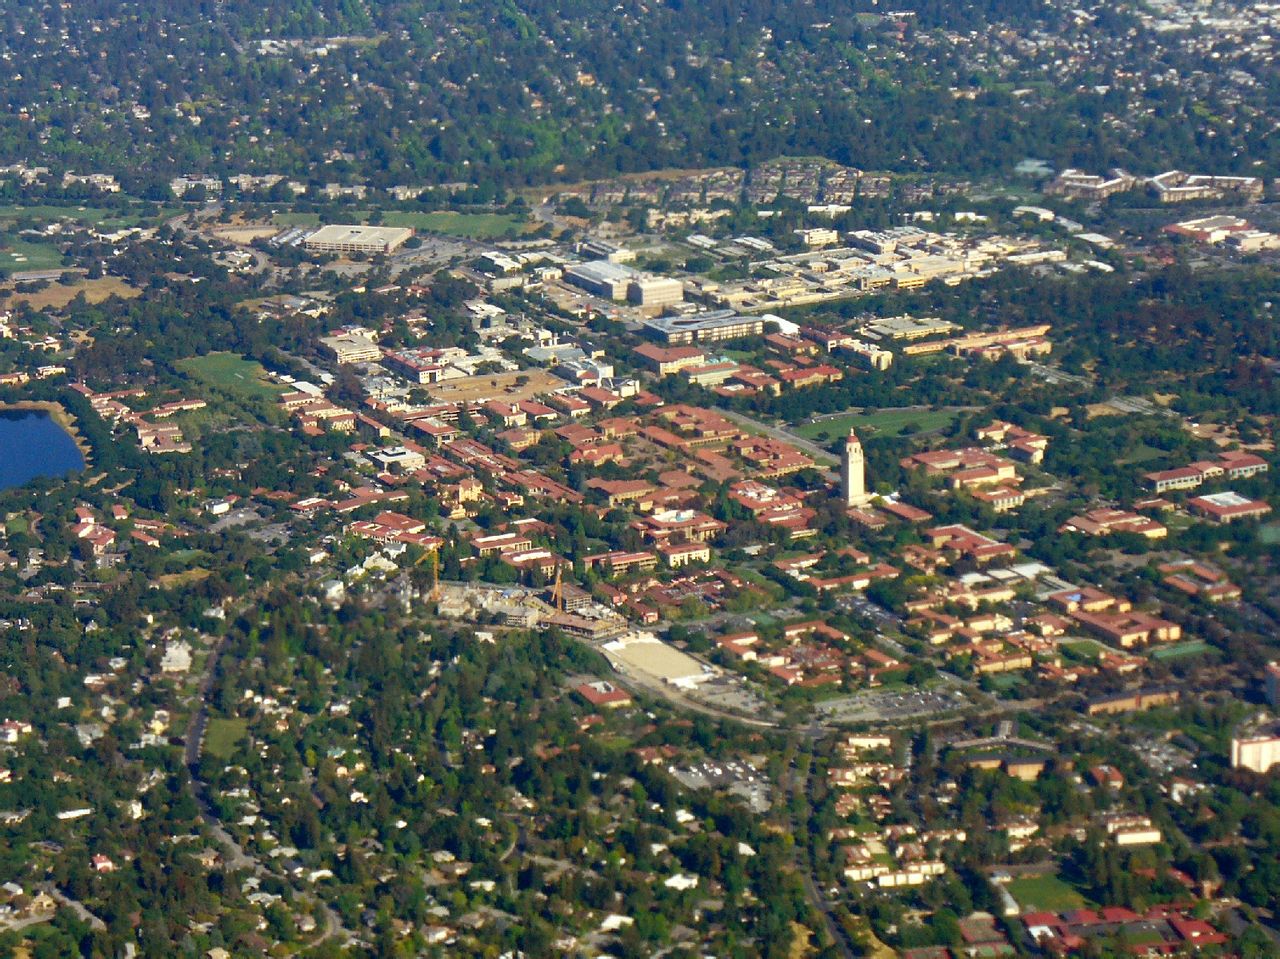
(182, 185)
(853, 477)
(603, 278)
(1255, 753)
(351, 348)
(347, 238)
(655, 291)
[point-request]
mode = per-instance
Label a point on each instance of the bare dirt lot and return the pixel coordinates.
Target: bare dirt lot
(244, 235)
(508, 387)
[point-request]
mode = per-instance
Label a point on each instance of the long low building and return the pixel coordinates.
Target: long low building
(703, 327)
(601, 277)
(613, 281)
(353, 238)
(1227, 507)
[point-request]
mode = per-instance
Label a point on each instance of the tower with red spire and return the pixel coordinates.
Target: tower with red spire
(853, 475)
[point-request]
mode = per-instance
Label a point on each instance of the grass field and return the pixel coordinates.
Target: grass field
(186, 555)
(296, 219)
(1045, 893)
(1007, 681)
(1269, 535)
(21, 256)
(92, 215)
(479, 226)
(1084, 649)
(56, 295)
(185, 578)
(1142, 454)
(221, 737)
(890, 422)
(1194, 647)
(233, 373)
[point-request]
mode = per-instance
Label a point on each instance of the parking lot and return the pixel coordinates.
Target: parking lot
(894, 704)
(735, 777)
(734, 694)
(236, 517)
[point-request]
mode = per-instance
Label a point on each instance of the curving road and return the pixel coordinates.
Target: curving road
(233, 854)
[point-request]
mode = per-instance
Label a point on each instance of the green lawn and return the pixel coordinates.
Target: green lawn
(183, 557)
(1194, 647)
(22, 256)
(1269, 535)
(1142, 454)
(92, 215)
(233, 373)
(1085, 649)
(1007, 681)
(221, 737)
(300, 219)
(889, 422)
(1045, 894)
(479, 226)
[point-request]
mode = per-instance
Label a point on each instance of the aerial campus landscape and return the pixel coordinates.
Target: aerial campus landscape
(784, 479)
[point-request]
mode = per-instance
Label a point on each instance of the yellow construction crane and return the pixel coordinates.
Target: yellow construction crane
(433, 555)
(557, 590)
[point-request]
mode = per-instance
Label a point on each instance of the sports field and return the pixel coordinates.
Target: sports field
(1194, 647)
(1045, 894)
(232, 373)
(478, 226)
(887, 422)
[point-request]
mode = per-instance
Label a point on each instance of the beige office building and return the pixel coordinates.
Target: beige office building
(342, 238)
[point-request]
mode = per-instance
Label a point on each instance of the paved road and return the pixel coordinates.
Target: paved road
(75, 905)
(835, 931)
(34, 920)
(233, 854)
(824, 417)
(1237, 924)
(777, 432)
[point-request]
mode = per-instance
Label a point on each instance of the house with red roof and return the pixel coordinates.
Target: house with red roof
(603, 694)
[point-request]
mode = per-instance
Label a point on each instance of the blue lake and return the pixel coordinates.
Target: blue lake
(31, 445)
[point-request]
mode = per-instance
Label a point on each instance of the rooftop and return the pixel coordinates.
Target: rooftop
(351, 233)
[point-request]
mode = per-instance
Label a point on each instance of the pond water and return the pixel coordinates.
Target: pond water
(32, 444)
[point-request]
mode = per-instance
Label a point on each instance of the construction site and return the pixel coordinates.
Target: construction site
(561, 606)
